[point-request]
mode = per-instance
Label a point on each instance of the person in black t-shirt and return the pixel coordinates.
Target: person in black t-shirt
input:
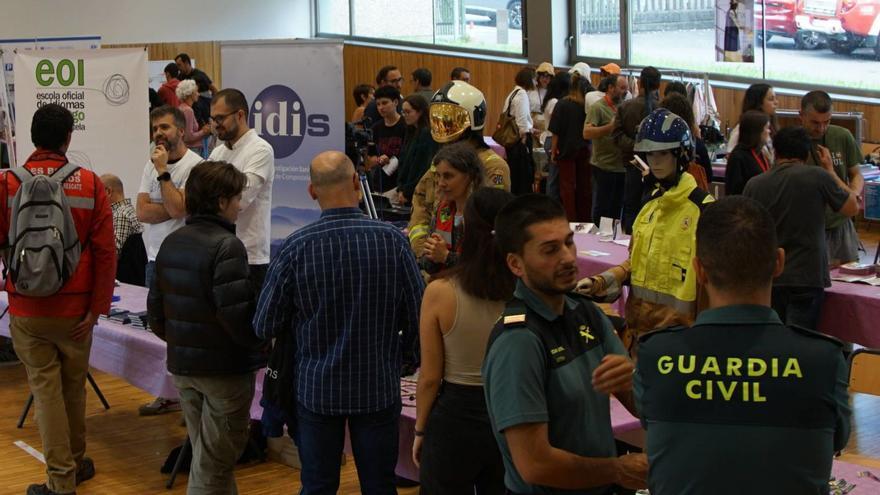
(388, 134)
(571, 151)
(187, 71)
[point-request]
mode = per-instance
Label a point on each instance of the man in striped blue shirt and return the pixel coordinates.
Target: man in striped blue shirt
(348, 289)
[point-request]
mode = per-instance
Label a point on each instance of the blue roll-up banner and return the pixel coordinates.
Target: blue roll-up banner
(872, 200)
(297, 103)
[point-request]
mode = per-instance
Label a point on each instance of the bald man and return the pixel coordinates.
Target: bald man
(347, 289)
(125, 221)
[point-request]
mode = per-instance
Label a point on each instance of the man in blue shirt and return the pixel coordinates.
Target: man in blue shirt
(552, 361)
(740, 402)
(347, 289)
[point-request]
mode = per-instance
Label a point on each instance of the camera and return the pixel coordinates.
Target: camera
(359, 142)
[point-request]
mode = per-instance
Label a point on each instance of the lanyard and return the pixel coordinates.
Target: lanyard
(610, 103)
(762, 162)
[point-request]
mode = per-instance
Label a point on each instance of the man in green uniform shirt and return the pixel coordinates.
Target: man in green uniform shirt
(740, 403)
(551, 363)
(834, 144)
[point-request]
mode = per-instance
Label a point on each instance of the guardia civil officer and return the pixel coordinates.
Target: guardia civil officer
(551, 362)
(739, 402)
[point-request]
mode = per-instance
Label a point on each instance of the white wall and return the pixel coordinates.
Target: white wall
(156, 21)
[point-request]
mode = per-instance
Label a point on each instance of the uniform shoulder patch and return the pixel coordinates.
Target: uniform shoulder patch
(514, 314)
(645, 336)
(816, 335)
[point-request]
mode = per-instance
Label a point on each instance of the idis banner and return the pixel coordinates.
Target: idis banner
(295, 93)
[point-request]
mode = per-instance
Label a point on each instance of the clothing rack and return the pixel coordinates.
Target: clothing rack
(681, 76)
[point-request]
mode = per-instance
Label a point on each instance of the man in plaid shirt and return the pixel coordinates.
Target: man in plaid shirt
(125, 220)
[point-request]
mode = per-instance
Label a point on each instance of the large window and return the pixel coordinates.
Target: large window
(486, 25)
(821, 43)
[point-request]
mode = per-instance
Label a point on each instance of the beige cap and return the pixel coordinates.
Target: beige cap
(546, 67)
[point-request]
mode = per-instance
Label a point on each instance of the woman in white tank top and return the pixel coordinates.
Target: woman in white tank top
(454, 445)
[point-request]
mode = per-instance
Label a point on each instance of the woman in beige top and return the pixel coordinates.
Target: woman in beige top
(454, 446)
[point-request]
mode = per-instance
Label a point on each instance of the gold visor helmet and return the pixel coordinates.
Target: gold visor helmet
(456, 107)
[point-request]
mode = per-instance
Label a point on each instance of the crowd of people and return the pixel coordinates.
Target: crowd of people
(517, 363)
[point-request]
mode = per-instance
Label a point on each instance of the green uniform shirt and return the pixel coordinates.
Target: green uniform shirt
(606, 154)
(548, 379)
(740, 403)
(845, 154)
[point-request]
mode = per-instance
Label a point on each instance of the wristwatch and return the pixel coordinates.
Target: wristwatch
(164, 176)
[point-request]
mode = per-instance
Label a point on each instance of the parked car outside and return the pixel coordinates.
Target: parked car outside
(489, 9)
(779, 17)
(848, 24)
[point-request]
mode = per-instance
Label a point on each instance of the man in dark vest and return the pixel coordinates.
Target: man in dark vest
(739, 402)
(551, 363)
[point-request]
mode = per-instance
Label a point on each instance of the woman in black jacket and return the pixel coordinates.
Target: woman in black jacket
(747, 159)
(201, 303)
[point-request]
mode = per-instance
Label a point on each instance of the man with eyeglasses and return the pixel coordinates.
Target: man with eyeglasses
(253, 156)
(389, 75)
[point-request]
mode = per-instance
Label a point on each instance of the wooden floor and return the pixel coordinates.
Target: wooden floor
(128, 450)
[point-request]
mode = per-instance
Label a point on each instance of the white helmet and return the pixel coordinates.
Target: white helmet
(456, 107)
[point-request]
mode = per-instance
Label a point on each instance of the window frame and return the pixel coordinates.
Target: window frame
(448, 49)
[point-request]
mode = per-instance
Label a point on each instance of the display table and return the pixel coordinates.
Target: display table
(850, 311)
(850, 473)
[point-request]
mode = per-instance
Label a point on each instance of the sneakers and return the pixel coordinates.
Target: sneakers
(43, 489)
(159, 406)
(85, 471)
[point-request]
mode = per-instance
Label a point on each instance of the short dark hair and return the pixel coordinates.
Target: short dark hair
(176, 114)
(650, 78)
(736, 244)
(513, 221)
(183, 58)
(172, 70)
(525, 78)
(678, 104)
(234, 99)
(360, 93)
(675, 87)
(793, 143)
(208, 182)
(383, 73)
(389, 92)
(423, 76)
(751, 126)
(50, 127)
(481, 269)
(608, 82)
(456, 73)
(818, 101)
(462, 156)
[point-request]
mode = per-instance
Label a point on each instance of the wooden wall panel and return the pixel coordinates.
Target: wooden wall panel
(494, 79)
(206, 54)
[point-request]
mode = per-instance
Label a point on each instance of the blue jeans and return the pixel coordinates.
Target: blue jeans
(801, 306)
(374, 443)
(552, 173)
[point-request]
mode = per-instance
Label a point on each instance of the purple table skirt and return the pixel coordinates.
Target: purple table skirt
(850, 311)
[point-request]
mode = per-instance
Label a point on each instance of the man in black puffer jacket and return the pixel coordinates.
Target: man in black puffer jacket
(202, 303)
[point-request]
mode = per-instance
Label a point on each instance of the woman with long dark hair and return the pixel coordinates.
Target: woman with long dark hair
(557, 89)
(572, 152)
(454, 445)
(418, 146)
(747, 159)
(760, 97)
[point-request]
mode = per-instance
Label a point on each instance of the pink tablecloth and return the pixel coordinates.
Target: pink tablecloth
(850, 312)
(850, 473)
(497, 148)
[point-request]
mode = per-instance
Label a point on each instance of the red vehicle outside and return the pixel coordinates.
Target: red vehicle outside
(848, 24)
(779, 20)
